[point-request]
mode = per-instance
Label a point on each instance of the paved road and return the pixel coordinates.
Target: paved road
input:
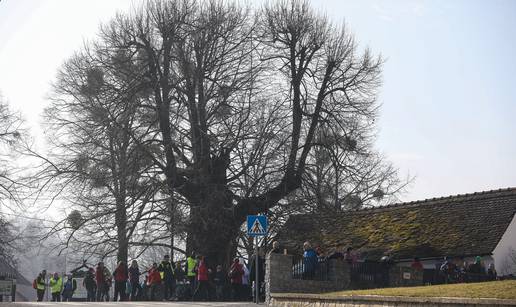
(130, 304)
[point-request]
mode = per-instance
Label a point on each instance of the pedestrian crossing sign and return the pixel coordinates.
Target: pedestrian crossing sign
(256, 225)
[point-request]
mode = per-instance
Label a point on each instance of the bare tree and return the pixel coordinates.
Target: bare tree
(12, 133)
(96, 165)
(344, 172)
(237, 102)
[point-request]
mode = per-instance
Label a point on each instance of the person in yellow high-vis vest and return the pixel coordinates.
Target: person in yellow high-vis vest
(39, 285)
(56, 287)
(166, 271)
(191, 264)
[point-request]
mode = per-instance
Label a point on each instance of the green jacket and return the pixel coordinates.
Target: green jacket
(190, 266)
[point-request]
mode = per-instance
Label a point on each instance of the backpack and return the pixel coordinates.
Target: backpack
(35, 283)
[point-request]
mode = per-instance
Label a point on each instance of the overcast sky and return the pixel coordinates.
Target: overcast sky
(449, 96)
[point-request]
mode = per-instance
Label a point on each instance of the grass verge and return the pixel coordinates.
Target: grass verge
(505, 289)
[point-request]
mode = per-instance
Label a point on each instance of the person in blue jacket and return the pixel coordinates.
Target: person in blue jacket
(309, 261)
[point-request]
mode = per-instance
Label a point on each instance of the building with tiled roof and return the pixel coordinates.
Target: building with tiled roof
(468, 225)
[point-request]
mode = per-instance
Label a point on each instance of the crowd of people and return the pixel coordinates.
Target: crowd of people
(190, 279)
(457, 270)
(193, 279)
(451, 270)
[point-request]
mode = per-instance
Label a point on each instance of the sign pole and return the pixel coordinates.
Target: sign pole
(257, 278)
(256, 226)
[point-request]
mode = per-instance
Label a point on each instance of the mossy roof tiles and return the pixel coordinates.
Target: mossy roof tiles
(459, 225)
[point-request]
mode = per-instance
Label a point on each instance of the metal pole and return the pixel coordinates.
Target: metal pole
(47, 288)
(257, 278)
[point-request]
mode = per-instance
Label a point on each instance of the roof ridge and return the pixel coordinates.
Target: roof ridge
(456, 197)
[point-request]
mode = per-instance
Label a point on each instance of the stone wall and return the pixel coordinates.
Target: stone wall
(278, 277)
(298, 300)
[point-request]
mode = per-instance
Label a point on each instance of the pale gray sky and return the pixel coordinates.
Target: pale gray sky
(449, 93)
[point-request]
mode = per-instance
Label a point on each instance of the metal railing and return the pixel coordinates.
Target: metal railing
(369, 274)
(319, 272)
(436, 277)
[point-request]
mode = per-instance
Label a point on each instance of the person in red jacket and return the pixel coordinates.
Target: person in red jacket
(235, 274)
(103, 279)
(202, 281)
(121, 275)
(154, 281)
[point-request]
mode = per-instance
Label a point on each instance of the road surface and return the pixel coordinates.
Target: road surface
(130, 304)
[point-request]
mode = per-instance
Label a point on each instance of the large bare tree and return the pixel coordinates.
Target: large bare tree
(235, 101)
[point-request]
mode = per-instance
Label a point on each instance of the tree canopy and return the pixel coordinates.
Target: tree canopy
(190, 115)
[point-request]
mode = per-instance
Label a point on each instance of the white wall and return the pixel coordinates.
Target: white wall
(503, 263)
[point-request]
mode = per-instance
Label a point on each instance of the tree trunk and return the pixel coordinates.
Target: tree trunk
(213, 228)
(122, 250)
(121, 228)
(172, 228)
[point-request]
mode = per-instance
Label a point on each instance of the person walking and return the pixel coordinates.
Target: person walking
(191, 264)
(491, 272)
(417, 265)
(39, 285)
(447, 270)
(275, 248)
(202, 281)
(134, 280)
(69, 288)
(145, 286)
(166, 270)
(245, 288)
(90, 285)
(120, 274)
(309, 261)
(56, 286)
(103, 279)
(179, 273)
(220, 282)
(236, 272)
(350, 256)
(154, 281)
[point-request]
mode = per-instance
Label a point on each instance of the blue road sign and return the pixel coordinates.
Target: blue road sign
(256, 225)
